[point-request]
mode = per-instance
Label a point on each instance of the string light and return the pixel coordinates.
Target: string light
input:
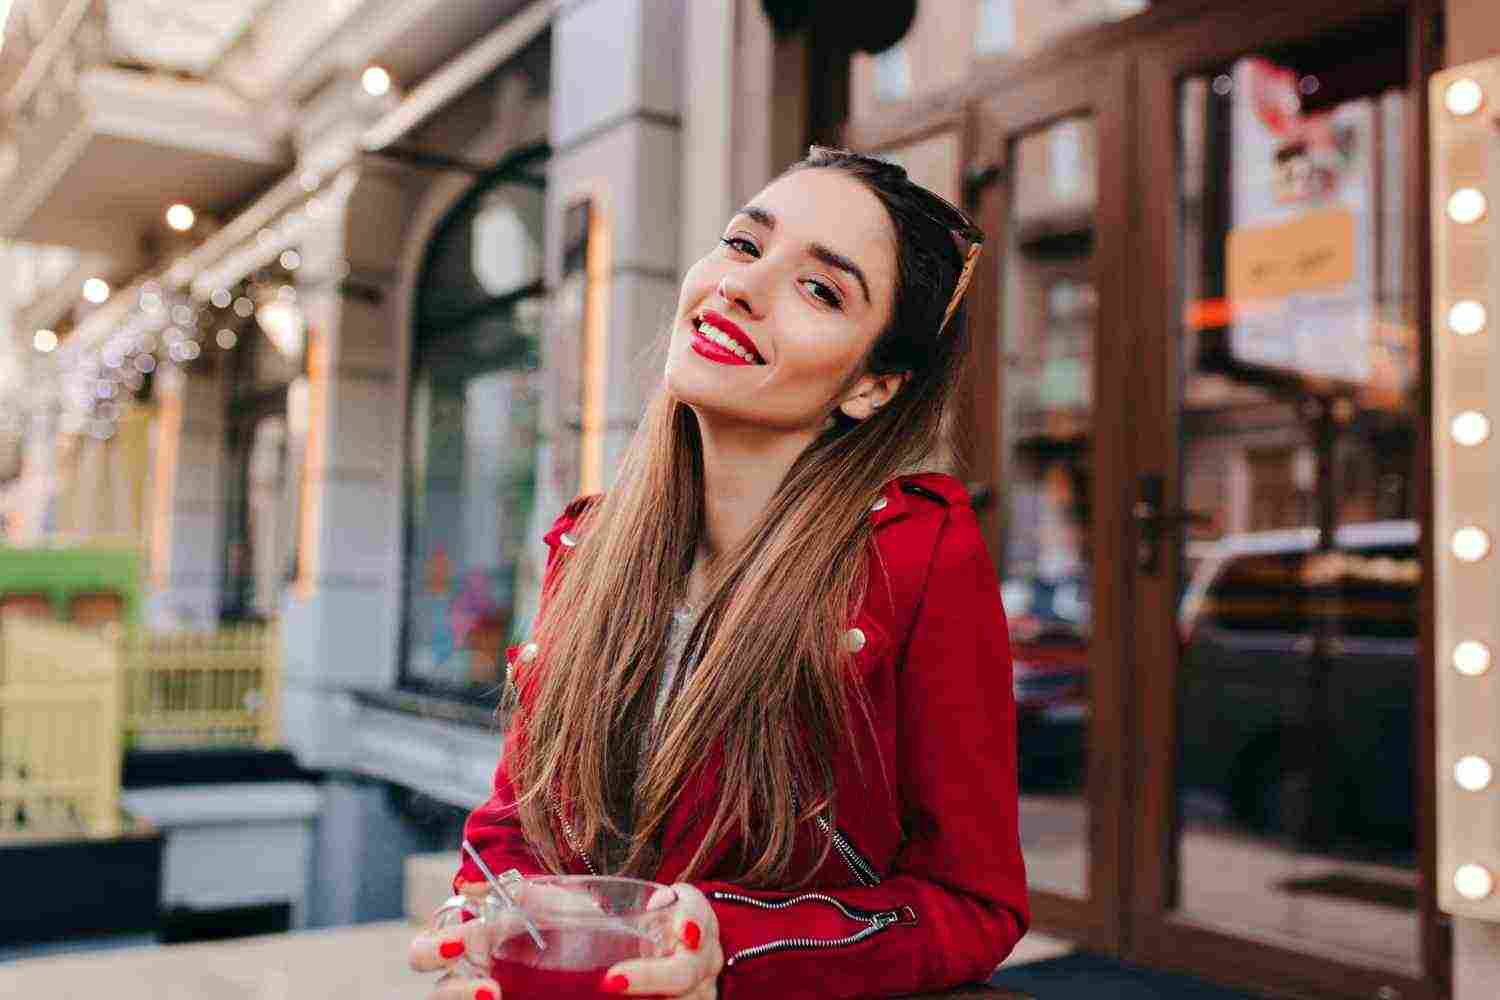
(1463, 97)
(96, 290)
(1467, 205)
(181, 218)
(1473, 881)
(1467, 317)
(376, 81)
(45, 341)
(291, 260)
(221, 298)
(1470, 544)
(1471, 428)
(1473, 774)
(227, 339)
(1471, 658)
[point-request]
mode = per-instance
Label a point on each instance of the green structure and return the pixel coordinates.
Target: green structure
(64, 575)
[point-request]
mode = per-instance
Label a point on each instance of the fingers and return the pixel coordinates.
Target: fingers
(683, 973)
(461, 988)
(440, 949)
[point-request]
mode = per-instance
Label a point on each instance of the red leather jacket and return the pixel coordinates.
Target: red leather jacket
(925, 888)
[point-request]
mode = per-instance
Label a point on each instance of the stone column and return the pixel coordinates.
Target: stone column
(340, 619)
(187, 500)
(616, 139)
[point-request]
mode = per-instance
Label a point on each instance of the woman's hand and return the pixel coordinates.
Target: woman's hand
(445, 949)
(692, 968)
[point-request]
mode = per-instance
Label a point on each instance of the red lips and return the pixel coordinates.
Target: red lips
(727, 327)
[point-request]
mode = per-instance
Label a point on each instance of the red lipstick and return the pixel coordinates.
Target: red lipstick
(727, 327)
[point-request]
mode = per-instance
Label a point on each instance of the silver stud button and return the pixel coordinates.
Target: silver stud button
(854, 640)
(568, 539)
(880, 504)
(529, 651)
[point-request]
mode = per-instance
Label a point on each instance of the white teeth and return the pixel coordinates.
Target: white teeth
(713, 333)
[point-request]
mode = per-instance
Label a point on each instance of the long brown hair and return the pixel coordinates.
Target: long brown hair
(763, 675)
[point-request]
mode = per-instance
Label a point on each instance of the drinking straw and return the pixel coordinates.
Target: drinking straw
(504, 893)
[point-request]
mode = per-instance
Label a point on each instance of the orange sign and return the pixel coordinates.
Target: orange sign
(1312, 253)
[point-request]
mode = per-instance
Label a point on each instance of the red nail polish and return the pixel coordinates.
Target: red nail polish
(484, 993)
(692, 935)
(615, 984)
(451, 949)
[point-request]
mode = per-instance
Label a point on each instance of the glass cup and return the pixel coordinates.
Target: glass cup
(587, 922)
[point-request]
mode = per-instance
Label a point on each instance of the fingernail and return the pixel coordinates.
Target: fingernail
(484, 993)
(452, 949)
(615, 984)
(692, 935)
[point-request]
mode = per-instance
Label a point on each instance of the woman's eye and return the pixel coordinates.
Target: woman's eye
(823, 292)
(739, 243)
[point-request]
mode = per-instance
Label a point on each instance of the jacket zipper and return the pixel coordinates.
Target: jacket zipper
(864, 872)
(876, 922)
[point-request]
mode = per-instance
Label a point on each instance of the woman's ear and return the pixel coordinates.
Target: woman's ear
(870, 393)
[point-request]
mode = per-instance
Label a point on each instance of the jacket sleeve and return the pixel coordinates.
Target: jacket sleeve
(954, 904)
(493, 828)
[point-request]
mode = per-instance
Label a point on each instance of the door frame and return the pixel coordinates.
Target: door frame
(1156, 937)
(1091, 86)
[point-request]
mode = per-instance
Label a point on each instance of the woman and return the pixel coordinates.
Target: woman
(771, 665)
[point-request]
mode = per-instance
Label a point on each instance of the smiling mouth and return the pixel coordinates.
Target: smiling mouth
(737, 346)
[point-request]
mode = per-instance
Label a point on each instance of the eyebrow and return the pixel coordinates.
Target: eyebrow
(828, 256)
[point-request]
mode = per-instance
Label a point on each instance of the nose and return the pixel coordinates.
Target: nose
(736, 291)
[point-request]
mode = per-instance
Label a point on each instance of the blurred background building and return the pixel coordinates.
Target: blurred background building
(313, 313)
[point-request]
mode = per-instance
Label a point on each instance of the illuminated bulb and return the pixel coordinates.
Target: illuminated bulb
(227, 339)
(1473, 774)
(221, 298)
(96, 290)
(1471, 658)
(291, 260)
(1466, 205)
(1471, 428)
(1463, 97)
(145, 364)
(1470, 544)
(244, 308)
(1473, 881)
(1467, 318)
(45, 341)
(376, 81)
(181, 218)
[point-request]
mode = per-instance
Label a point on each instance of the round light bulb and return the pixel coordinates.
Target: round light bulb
(1467, 205)
(227, 339)
(181, 218)
(376, 81)
(243, 307)
(1471, 544)
(1467, 317)
(45, 341)
(96, 290)
(1473, 881)
(1470, 428)
(1463, 97)
(1471, 658)
(1473, 774)
(291, 260)
(221, 298)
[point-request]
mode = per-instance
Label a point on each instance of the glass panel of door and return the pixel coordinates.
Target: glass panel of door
(1298, 556)
(1049, 318)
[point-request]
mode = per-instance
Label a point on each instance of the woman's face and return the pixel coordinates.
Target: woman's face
(773, 321)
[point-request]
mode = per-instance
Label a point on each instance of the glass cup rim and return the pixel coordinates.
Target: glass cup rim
(647, 886)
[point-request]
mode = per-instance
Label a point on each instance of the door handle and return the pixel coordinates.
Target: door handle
(1153, 523)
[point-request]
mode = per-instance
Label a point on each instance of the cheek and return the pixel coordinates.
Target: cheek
(699, 280)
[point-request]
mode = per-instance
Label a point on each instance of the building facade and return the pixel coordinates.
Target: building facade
(1215, 434)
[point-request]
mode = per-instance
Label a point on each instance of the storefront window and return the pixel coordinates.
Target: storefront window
(473, 434)
(947, 39)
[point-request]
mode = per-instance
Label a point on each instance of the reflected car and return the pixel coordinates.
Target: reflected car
(1049, 630)
(1297, 683)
